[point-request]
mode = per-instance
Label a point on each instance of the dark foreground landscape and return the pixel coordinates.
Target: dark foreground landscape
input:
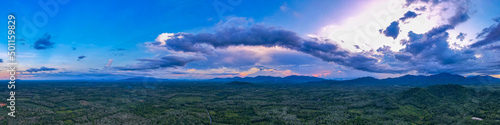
(437, 99)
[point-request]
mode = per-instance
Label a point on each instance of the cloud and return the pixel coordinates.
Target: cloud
(432, 2)
(384, 49)
(267, 36)
(408, 15)
(163, 62)
(427, 52)
(284, 7)
(246, 57)
(392, 30)
(490, 34)
(433, 45)
(461, 15)
(430, 52)
(40, 69)
(461, 36)
(402, 57)
(484, 32)
(43, 43)
(422, 8)
(118, 49)
(225, 36)
(110, 61)
(461, 8)
(91, 74)
(81, 57)
(356, 46)
(222, 74)
(493, 47)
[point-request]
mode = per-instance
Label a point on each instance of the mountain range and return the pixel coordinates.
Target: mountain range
(407, 80)
(410, 80)
(419, 80)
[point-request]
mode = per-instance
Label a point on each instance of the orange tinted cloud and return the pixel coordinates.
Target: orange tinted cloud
(321, 74)
(251, 71)
(496, 76)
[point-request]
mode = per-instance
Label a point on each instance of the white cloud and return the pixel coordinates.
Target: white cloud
(284, 7)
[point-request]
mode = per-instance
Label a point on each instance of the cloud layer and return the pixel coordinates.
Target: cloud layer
(268, 36)
(428, 52)
(425, 37)
(31, 70)
(163, 62)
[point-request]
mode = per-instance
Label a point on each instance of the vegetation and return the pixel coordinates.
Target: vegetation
(176, 102)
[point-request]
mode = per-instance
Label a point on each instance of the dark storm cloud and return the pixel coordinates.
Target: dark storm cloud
(81, 57)
(40, 69)
(43, 43)
(408, 15)
(163, 62)
(461, 36)
(392, 30)
(490, 34)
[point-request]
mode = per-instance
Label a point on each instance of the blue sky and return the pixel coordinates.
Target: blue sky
(193, 40)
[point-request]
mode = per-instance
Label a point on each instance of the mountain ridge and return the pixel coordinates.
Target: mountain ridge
(412, 80)
(420, 80)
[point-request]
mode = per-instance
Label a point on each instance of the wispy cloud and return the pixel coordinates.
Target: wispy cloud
(40, 69)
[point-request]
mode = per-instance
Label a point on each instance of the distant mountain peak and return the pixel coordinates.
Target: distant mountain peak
(368, 77)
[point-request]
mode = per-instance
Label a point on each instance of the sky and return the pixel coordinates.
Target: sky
(332, 39)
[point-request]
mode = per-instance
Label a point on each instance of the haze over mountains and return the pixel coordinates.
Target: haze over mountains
(407, 80)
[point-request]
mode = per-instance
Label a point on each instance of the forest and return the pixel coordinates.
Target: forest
(204, 102)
